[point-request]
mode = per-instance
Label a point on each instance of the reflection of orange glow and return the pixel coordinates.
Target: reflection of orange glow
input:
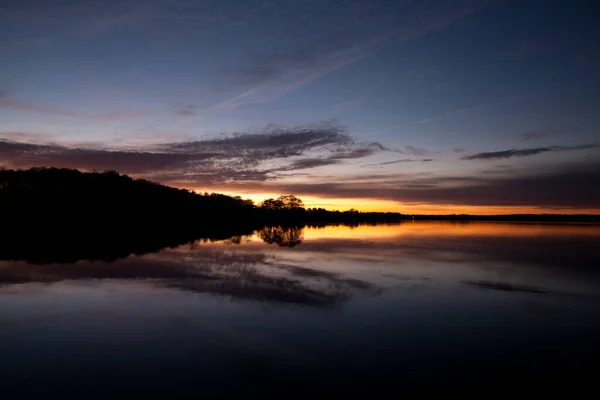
(439, 228)
(377, 205)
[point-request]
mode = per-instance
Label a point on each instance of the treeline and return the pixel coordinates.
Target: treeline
(111, 200)
(45, 200)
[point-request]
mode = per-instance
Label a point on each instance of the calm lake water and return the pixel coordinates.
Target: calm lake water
(411, 305)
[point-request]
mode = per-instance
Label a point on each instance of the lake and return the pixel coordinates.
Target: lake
(415, 305)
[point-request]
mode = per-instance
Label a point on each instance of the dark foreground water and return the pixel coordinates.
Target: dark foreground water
(475, 307)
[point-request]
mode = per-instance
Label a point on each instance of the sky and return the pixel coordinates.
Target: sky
(432, 106)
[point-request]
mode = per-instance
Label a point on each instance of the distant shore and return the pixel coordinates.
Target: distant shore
(37, 198)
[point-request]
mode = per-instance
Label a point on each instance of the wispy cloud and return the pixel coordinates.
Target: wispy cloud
(308, 163)
(270, 84)
(269, 77)
(493, 155)
(405, 160)
(247, 156)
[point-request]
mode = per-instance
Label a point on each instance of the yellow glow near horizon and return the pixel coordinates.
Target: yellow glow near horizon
(379, 205)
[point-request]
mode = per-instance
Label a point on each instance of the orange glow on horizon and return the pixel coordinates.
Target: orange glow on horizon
(379, 205)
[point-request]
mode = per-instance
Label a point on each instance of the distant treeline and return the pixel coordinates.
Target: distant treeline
(45, 212)
(46, 200)
(112, 200)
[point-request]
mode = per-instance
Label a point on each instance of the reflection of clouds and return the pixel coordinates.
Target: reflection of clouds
(516, 288)
(505, 287)
(330, 270)
(574, 252)
(218, 269)
(556, 257)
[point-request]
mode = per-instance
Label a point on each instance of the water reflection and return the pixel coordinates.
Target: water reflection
(322, 265)
(223, 267)
(553, 256)
(72, 248)
(313, 308)
(283, 236)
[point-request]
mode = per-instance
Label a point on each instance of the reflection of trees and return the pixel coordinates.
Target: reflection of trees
(283, 236)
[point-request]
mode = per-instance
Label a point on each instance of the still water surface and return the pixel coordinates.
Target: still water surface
(337, 308)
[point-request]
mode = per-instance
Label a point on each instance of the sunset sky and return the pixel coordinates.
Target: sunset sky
(444, 106)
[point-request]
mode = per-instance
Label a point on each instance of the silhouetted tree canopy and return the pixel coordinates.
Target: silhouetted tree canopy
(291, 202)
(271, 204)
(283, 202)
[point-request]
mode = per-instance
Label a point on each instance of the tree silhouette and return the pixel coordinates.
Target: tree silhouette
(291, 202)
(283, 202)
(271, 205)
(283, 236)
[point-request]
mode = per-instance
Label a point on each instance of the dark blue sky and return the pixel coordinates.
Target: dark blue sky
(432, 105)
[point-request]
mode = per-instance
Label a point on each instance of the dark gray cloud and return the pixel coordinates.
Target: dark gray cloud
(506, 287)
(571, 186)
(404, 160)
(574, 186)
(22, 155)
(271, 142)
(238, 157)
(307, 163)
(215, 174)
(492, 155)
(364, 150)
(533, 135)
(338, 154)
(168, 167)
(279, 143)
